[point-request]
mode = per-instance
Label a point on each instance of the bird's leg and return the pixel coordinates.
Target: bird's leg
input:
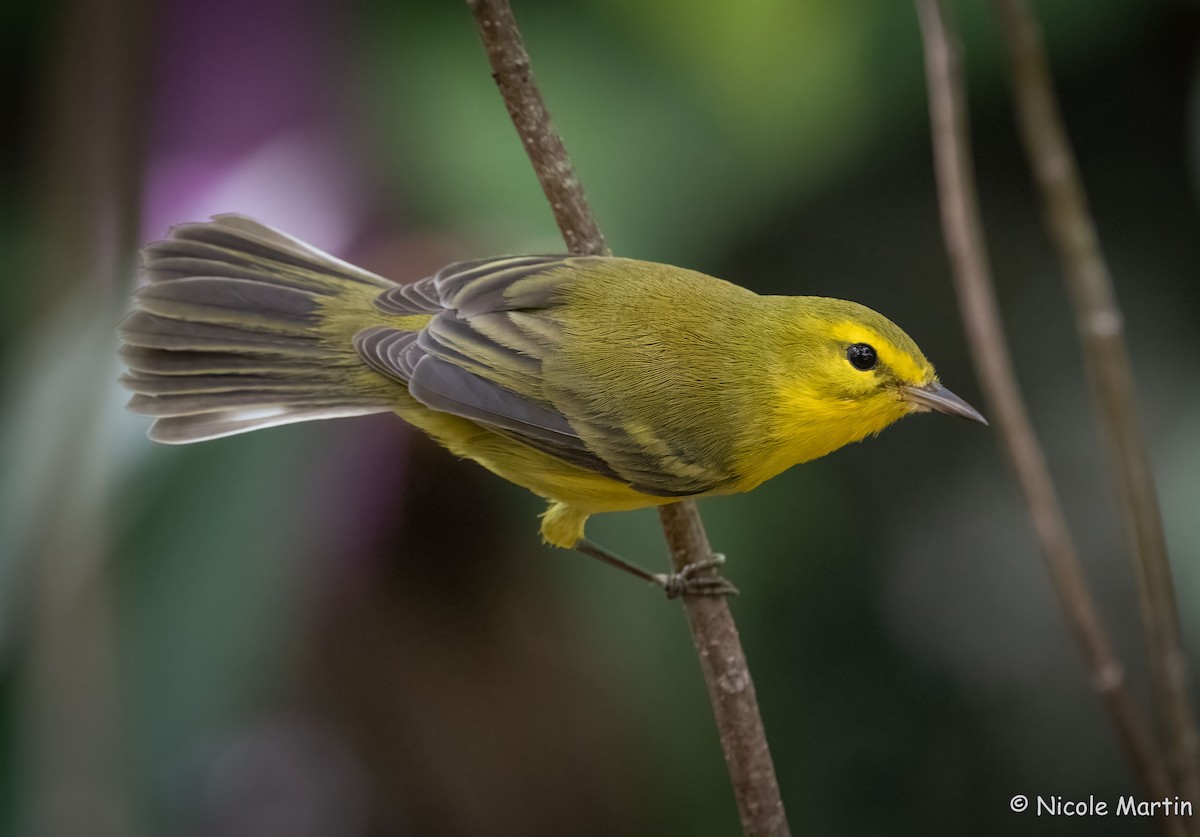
(691, 580)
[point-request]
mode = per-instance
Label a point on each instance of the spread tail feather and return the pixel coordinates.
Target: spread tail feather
(243, 327)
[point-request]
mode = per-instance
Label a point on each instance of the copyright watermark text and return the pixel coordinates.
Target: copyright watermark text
(1124, 806)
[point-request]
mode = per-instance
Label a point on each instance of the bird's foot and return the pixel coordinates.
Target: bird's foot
(697, 579)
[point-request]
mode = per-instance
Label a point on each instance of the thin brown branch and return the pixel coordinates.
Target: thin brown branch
(730, 688)
(1101, 330)
(714, 633)
(513, 75)
(973, 281)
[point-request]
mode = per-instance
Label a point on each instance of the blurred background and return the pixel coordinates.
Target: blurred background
(338, 629)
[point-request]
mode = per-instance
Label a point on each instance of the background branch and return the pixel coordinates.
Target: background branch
(973, 282)
(714, 634)
(1101, 331)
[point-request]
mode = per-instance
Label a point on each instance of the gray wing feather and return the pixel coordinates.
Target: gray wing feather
(439, 382)
(389, 351)
(478, 289)
(414, 298)
(480, 357)
(474, 287)
(443, 386)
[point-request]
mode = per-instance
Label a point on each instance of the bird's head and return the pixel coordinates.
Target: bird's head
(849, 372)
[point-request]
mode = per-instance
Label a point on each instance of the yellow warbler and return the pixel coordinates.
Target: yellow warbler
(600, 384)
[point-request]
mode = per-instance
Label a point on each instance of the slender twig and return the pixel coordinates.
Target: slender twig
(513, 75)
(730, 688)
(713, 631)
(972, 276)
(1101, 330)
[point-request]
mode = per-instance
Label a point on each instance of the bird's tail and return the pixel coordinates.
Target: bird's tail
(242, 327)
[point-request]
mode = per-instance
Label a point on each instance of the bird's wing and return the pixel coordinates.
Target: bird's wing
(481, 357)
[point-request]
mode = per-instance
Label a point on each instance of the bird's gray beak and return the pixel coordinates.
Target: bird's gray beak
(936, 397)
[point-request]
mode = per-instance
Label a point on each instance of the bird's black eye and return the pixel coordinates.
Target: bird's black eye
(862, 356)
